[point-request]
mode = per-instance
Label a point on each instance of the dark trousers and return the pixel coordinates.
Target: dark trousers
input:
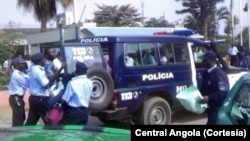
(234, 60)
(75, 116)
(38, 106)
(18, 112)
(212, 114)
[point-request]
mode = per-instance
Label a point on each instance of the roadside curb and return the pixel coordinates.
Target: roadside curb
(2, 88)
(4, 98)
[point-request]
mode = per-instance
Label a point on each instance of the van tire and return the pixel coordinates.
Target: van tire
(156, 111)
(103, 89)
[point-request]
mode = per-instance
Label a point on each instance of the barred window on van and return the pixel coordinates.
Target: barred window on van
(140, 54)
(174, 53)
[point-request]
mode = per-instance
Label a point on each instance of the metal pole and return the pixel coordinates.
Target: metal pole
(61, 32)
(77, 30)
(75, 6)
(241, 40)
(232, 25)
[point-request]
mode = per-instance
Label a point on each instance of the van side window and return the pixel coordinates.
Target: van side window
(140, 54)
(107, 52)
(174, 52)
(197, 52)
(130, 54)
(163, 54)
(148, 53)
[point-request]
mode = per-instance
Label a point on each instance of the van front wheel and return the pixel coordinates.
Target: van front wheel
(156, 111)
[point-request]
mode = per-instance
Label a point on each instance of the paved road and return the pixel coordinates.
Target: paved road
(180, 118)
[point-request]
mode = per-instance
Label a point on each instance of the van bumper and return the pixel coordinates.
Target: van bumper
(117, 114)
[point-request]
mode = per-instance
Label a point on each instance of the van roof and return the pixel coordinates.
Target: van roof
(141, 38)
(101, 31)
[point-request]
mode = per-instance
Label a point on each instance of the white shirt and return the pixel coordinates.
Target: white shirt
(164, 59)
(129, 61)
(58, 64)
(197, 55)
(233, 50)
(29, 64)
(38, 80)
(78, 91)
(19, 82)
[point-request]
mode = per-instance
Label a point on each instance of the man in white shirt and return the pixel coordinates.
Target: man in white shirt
(232, 52)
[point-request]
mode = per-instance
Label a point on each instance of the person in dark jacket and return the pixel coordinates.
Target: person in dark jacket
(215, 86)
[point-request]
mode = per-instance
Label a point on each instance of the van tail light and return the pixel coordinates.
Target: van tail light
(160, 33)
(114, 99)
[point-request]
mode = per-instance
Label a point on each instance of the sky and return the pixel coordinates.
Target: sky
(152, 8)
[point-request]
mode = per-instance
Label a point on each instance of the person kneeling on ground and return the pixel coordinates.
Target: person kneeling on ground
(75, 99)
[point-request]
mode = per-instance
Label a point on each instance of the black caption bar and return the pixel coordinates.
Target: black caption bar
(163, 132)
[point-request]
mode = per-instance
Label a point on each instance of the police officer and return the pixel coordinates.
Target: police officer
(39, 91)
(215, 86)
(17, 88)
(233, 51)
(76, 97)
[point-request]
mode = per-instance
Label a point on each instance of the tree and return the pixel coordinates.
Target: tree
(7, 45)
(153, 22)
(213, 21)
(245, 39)
(229, 29)
(43, 9)
(190, 22)
(115, 16)
(5, 52)
(199, 10)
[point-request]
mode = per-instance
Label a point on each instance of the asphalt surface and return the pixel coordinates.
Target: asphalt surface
(179, 118)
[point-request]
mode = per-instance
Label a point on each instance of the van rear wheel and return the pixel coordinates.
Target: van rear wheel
(103, 89)
(156, 111)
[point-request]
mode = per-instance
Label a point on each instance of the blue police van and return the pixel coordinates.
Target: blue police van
(136, 78)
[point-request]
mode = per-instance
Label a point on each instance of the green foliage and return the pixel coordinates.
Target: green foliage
(229, 29)
(9, 45)
(153, 22)
(4, 80)
(201, 14)
(114, 16)
(5, 52)
(213, 21)
(245, 38)
(49, 9)
(223, 47)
